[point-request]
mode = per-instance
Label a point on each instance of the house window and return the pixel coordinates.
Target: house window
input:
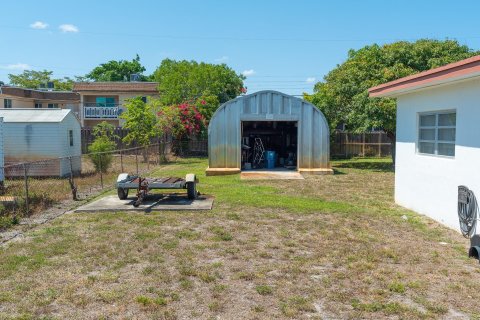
(7, 103)
(38, 105)
(70, 137)
(436, 133)
(105, 101)
(52, 105)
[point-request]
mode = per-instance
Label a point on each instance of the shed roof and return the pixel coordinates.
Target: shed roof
(461, 70)
(34, 115)
(145, 87)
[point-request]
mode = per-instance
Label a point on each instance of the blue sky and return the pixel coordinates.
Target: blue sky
(280, 45)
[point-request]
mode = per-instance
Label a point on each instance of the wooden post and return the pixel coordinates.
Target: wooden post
(25, 175)
(121, 160)
(363, 144)
(380, 144)
(71, 181)
(101, 169)
(136, 158)
(147, 149)
(345, 141)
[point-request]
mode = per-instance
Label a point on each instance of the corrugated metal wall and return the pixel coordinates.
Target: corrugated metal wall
(224, 131)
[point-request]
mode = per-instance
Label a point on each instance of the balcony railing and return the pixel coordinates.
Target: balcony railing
(95, 111)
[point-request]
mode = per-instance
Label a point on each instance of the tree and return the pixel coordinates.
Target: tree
(141, 122)
(117, 70)
(33, 79)
(181, 81)
(102, 145)
(343, 95)
(181, 121)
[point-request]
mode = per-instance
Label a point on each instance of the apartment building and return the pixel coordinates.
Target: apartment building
(105, 101)
(90, 102)
(15, 97)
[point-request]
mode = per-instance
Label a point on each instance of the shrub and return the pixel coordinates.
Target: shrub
(103, 144)
(182, 121)
(101, 161)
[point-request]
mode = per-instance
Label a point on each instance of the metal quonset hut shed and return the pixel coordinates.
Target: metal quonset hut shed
(294, 128)
(40, 134)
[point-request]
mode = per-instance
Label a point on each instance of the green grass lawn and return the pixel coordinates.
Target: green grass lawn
(324, 247)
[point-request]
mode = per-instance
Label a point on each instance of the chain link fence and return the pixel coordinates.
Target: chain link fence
(32, 187)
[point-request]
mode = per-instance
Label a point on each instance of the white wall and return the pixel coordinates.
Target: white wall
(70, 123)
(426, 183)
(31, 141)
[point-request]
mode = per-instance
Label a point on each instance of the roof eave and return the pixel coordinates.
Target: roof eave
(398, 90)
(456, 71)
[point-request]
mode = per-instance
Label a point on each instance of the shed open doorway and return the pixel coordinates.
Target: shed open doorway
(269, 145)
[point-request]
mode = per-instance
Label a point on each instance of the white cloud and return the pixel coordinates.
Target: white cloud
(310, 80)
(249, 72)
(39, 25)
(222, 59)
(68, 28)
(16, 66)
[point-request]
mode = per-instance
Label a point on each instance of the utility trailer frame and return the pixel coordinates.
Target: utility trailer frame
(125, 182)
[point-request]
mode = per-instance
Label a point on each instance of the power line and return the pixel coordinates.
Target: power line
(223, 38)
(38, 66)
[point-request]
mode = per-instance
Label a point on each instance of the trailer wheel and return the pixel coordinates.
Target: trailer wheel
(122, 193)
(191, 190)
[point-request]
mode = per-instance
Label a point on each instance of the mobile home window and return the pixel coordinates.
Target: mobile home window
(70, 137)
(53, 105)
(7, 103)
(436, 133)
(38, 105)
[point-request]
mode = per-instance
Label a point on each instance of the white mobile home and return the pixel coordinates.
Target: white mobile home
(39, 134)
(438, 137)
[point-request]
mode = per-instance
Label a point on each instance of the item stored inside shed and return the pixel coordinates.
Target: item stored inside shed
(269, 144)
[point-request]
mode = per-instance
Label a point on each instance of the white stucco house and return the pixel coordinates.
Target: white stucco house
(438, 137)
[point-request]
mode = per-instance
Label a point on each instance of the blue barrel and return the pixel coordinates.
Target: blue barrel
(271, 155)
(270, 164)
(271, 159)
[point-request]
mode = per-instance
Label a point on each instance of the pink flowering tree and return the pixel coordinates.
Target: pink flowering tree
(182, 121)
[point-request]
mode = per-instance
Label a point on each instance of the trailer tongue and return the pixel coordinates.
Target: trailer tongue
(125, 182)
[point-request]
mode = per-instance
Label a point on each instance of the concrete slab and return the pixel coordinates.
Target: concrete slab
(154, 202)
(221, 171)
(271, 175)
